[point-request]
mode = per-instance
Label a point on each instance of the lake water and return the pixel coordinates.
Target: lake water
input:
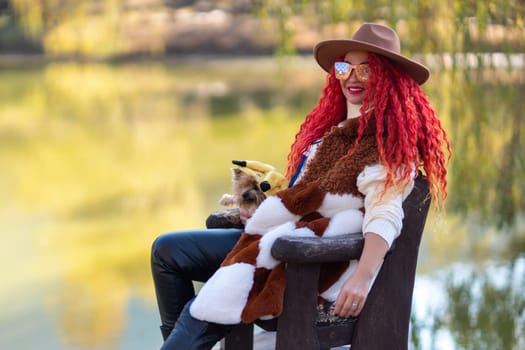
(98, 159)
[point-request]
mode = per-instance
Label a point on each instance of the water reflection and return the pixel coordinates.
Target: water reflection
(473, 307)
(101, 158)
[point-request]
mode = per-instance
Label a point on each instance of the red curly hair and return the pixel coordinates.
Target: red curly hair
(408, 129)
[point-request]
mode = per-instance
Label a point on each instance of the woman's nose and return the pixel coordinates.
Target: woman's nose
(353, 76)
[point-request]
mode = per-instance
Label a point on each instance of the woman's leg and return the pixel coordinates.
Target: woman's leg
(192, 334)
(179, 258)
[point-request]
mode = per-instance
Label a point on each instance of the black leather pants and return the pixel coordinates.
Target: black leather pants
(177, 259)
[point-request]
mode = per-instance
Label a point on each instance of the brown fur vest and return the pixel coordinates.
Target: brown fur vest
(325, 202)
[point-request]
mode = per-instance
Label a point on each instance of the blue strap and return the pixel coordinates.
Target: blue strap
(298, 171)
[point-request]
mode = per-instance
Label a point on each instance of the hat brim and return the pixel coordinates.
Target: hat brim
(328, 51)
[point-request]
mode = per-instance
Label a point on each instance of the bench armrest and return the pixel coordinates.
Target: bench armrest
(226, 218)
(318, 250)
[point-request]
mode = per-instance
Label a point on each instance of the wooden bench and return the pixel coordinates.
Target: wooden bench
(384, 320)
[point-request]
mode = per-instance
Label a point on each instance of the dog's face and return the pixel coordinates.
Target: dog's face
(247, 191)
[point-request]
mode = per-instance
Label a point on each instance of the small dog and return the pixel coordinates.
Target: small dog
(253, 181)
(247, 193)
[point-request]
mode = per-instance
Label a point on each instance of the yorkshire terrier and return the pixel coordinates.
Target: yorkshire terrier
(253, 181)
(247, 193)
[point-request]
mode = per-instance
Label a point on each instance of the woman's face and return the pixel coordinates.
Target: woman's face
(354, 85)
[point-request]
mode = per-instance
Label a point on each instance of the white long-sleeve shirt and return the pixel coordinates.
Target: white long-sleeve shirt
(383, 215)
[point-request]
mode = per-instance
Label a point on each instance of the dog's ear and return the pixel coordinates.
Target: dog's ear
(236, 173)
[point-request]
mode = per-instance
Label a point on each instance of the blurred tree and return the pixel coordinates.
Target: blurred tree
(109, 27)
(435, 26)
(90, 28)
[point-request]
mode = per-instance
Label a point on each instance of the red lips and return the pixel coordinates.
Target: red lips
(355, 90)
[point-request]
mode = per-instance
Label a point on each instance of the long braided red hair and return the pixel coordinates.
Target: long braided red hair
(408, 129)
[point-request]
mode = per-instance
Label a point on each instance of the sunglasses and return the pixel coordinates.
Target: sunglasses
(343, 70)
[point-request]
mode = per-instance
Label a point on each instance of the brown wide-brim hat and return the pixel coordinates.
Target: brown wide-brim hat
(371, 37)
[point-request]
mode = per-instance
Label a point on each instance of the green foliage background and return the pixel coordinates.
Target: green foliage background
(108, 28)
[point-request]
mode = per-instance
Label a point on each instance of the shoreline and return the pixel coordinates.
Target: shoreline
(498, 60)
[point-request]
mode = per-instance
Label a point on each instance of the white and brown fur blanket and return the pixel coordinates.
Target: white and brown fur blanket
(325, 202)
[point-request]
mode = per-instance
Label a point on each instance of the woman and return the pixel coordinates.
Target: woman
(358, 150)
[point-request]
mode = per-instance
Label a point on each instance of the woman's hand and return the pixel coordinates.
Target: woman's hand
(245, 215)
(352, 296)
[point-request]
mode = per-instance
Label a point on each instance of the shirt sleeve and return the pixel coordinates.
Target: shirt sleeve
(383, 215)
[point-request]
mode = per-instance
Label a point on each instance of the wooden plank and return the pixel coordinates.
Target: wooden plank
(296, 325)
(266, 341)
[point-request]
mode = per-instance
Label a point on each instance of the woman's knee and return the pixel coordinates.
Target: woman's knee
(167, 247)
(195, 252)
